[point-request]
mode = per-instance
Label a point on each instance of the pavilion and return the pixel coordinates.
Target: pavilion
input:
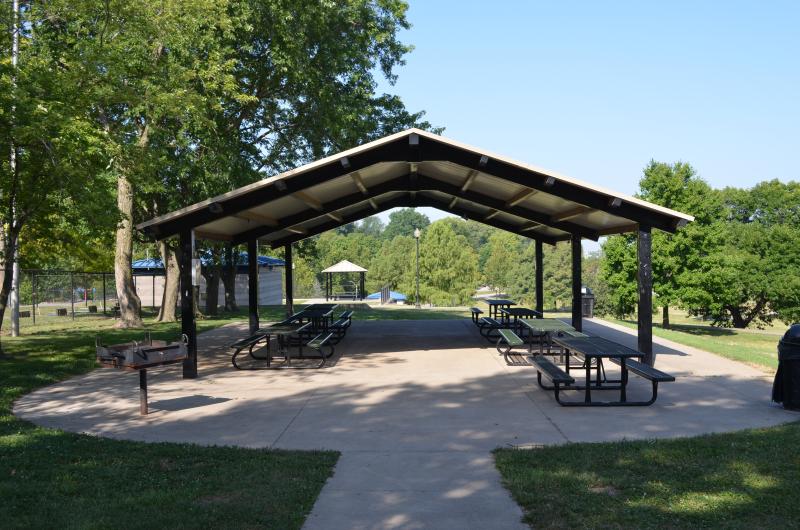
(345, 267)
(409, 169)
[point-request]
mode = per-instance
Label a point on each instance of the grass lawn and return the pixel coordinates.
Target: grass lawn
(746, 479)
(752, 346)
(50, 478)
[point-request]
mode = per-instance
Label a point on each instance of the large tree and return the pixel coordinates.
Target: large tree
(404, 221)
(448, 266)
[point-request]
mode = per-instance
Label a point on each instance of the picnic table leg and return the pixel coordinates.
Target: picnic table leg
(624, 383)
(588, 397)
(143, 391)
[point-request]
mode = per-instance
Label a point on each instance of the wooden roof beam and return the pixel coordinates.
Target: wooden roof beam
(530, 226)
(569, 214)
(205, 234)
(470, 179)
(335, 216)
(453, 202)
(297, 230)
(491, 214)
(521, 196)
(249, 215)
(359, 182)
(310, 201)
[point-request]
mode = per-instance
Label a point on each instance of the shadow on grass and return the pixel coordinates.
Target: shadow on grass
(697, 330)
(732, 480)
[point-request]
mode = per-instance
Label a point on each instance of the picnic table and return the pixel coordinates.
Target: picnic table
(593, 350)
(544, 329)
(496, 304)
(517, 313)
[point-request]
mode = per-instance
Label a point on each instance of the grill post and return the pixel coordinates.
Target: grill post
(143, 391)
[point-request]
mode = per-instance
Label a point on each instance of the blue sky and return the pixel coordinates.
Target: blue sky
(595, 90)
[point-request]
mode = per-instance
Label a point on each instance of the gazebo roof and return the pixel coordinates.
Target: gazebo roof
(345, 266)
(408, 169)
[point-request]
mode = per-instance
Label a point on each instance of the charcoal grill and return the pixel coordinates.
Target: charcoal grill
(141, 355)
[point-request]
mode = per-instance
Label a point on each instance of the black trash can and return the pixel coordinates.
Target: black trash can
(786, 388)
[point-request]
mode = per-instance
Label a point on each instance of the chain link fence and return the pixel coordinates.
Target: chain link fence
(47, 296)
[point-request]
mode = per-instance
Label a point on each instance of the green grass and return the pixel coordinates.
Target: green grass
(747, 479)
(754, 347)
(51, 478)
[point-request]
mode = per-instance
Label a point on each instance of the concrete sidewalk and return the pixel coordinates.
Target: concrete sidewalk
(415, 407)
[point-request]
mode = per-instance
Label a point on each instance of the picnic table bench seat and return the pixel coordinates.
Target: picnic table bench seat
(476, 314)
(322, 342)
(487, 327)
(646, 371)
(346, 316)
(546, 367)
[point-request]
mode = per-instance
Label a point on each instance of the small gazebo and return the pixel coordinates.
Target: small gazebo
(345, 267)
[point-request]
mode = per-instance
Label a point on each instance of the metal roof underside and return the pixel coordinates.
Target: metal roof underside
(409, 169)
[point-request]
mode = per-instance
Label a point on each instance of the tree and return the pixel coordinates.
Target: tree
(504, 252)
(448, 266)
(675, 256)
(371, 226)
(42, 129)
(404, 221)
(394, 266)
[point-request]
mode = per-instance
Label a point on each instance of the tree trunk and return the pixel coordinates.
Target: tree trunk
(665, 317)
(229, 280)
(212, 289)
(130, 306)
(10, 248)
(169, 299)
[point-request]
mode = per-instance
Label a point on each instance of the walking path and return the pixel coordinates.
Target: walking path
(415, 407)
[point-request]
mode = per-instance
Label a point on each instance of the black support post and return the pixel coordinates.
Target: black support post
(188, 327)
(252, 278)
(539, 278)
(644, 280)
(289, 277)
(577, 298)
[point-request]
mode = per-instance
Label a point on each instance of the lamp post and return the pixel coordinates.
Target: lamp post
(416, 236)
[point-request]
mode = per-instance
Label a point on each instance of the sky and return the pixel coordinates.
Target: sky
(594, 90)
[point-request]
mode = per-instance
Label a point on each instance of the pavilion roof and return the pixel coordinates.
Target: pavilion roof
(345, 266)
(408, 169)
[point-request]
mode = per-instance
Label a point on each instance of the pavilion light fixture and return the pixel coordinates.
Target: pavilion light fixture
(215, 207)
(413, 140)
(345, 162)
(615, 202)
(549, 181)
(280, 185)
(483, 161)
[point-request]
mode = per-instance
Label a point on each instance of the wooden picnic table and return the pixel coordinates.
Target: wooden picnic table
(495, 304)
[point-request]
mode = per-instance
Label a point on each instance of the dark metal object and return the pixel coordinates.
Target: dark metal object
(139, 356)
(72, 294)
(188, 327)
(593, 350)
(786, 387)
(416, 237)
(495, 304)
(577, 257)
(644, 279)
(252, 284)
(289, 277)
(539, 278)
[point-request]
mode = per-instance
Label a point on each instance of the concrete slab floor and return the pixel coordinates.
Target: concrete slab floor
(415, 407)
